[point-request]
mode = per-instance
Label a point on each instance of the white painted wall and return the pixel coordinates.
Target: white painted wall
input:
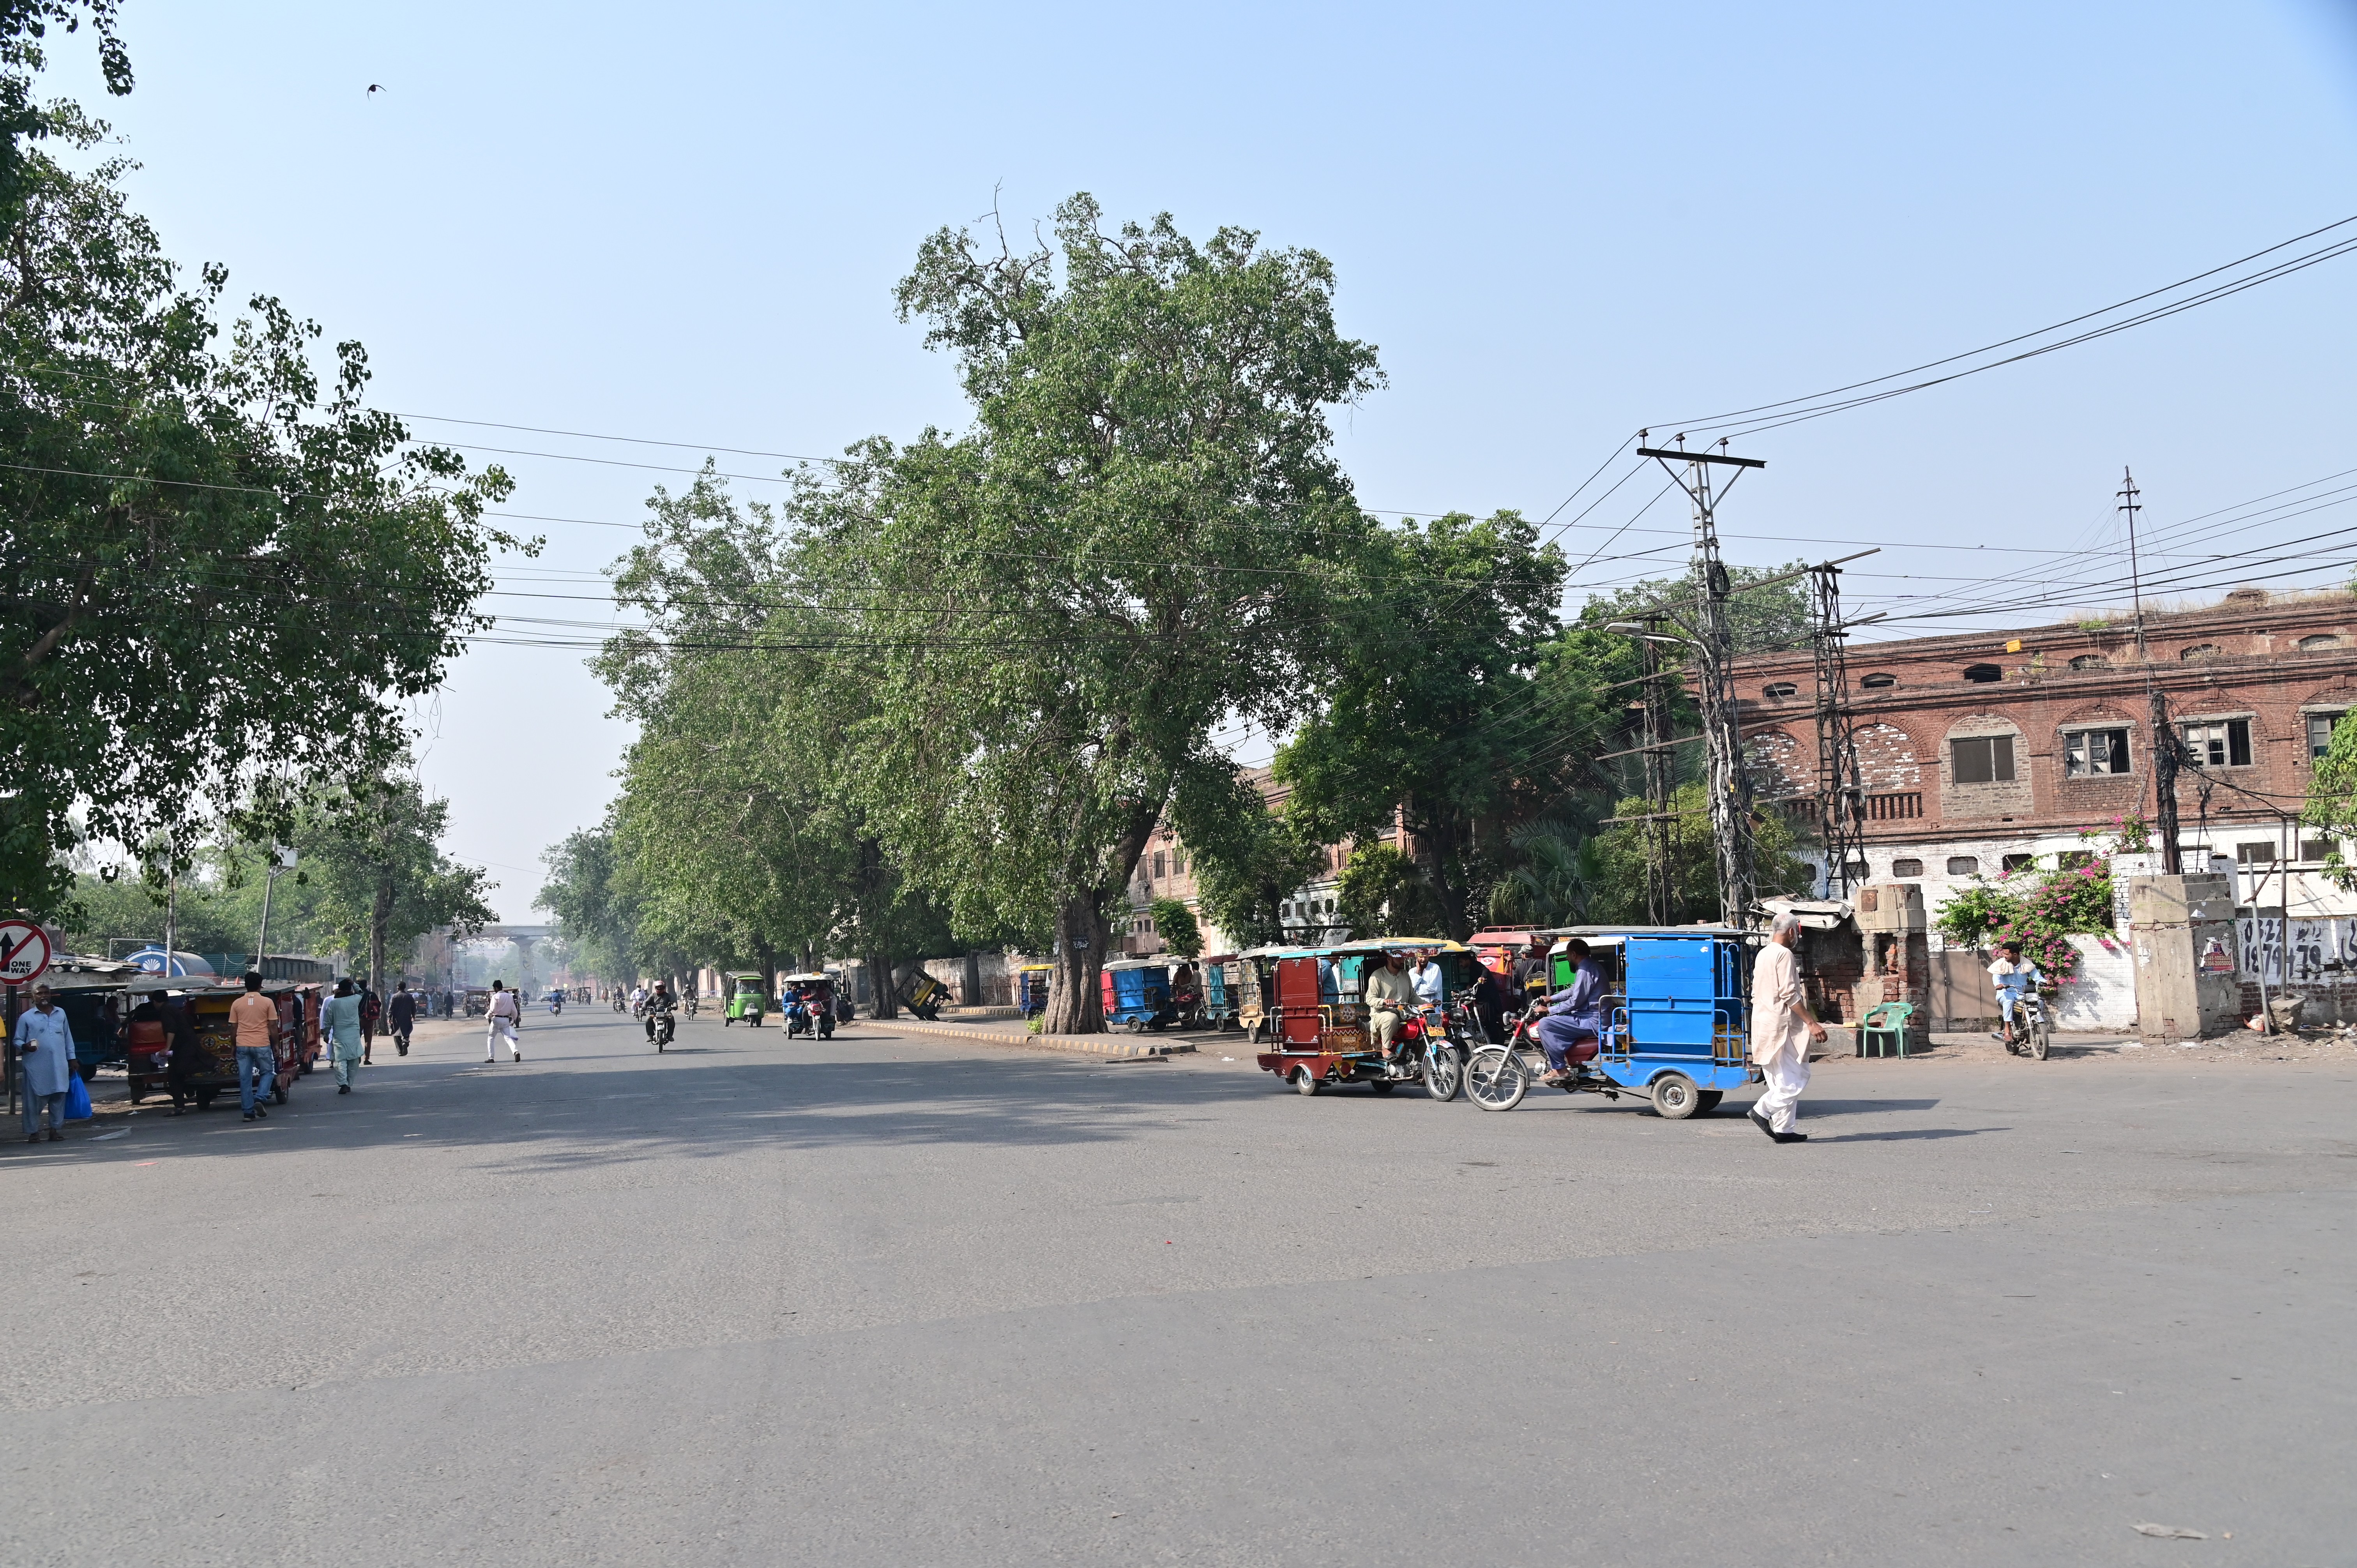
(2102, 996)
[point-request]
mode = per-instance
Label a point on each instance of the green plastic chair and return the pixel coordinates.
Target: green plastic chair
(1885, 1024)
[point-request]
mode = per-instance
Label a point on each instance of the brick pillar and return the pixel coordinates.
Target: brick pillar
(1891, 920)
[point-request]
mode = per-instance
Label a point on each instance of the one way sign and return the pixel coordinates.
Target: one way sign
(23, 951)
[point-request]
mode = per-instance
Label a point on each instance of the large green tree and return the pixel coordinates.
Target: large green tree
(216, 562)
(1439, 709)
(1135, 542)
(371, 854)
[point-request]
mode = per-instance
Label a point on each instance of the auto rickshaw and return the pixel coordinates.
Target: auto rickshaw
(216, 1041)
(1677, 1022)
(1136, 991)
(924, 995)
(1217, 1008)
(1323, 1027)
(1031, 983)
(1254, 983)
(809, 1001)
(748, 998)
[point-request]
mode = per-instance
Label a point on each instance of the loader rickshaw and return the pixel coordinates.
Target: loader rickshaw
(1135, 992)
(1323, 1027)
(809, 1002)
(1677, 1023)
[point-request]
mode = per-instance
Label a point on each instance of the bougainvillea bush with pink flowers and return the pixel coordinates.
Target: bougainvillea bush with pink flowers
(2039, 910)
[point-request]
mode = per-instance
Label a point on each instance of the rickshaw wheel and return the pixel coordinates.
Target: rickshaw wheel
(1676, 1098)
(1494, 1078)
(1709, 1102)
(1303, 1080)
(1383, 1085)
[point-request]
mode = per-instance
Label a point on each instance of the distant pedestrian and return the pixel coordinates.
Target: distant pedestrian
(255, 1018)
(339, 1020)
(506, 1016)
(371, 1011)
(45, 1054)
(1782, 1029)
(402, 1011)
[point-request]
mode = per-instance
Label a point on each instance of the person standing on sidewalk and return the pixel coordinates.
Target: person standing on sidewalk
(45, 1054)
(256, 1017)
(1782, 1029)
(339, 1020)
(506, 1017)
(402, 1011)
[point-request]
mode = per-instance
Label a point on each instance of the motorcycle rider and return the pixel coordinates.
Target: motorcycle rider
(1390, 998)
(1575, 1020)
(638, 999)
(2014, 978)
(658, 1006)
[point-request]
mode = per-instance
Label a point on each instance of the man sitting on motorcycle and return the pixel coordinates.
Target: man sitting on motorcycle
(1391, 999)
(1575, 1019)
(2013, 978)
(659, 1004)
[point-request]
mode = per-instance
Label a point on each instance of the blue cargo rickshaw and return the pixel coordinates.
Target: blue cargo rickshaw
(1136, 993)
(1677, 1023)
(1222, 994)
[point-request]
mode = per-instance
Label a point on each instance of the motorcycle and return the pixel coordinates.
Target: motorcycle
(2033, 1030)
(555, 1006)
(813, 1014)
(690, 1006)
(664, 1028)
(618, 1002)
(637, 1009)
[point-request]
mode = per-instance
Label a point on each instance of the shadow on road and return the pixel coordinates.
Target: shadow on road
(557, 1110)
(1907, 1135)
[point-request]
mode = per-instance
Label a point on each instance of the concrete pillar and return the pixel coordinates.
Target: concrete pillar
(1897, 932)
(2183, 933)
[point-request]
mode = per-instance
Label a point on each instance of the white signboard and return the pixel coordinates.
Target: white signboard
(23, 951)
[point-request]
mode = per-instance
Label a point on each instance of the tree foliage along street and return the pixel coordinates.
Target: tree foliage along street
(1140, 538)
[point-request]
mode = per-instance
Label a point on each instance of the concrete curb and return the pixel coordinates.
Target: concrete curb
(1069, 1045)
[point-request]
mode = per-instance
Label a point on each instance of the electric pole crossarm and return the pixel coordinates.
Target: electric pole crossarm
(1670, 456)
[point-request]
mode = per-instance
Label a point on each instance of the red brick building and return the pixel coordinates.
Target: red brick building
(1984, 751)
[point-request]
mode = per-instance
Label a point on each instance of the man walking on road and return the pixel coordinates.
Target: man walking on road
(256, 1017)
(339, 1020)
(45, 1052)
(1782, 1028)
(506, 1017)
(402, 1011)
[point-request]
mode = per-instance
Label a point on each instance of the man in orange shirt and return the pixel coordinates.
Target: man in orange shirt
(256, 1017)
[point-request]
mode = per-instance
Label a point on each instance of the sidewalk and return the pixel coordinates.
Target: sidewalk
(1000, 1026)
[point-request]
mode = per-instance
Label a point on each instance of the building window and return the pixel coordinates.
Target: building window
(2322, 639)
(2072, 859)
(2258, 853)
(1906, 868)
(2086, 752)
(1982, 675)
(2319, 733)
(1981, 759)
(2091, 661)
(2314, 850)
(1160, 865)
(2198, 651)
(2219, 743)
(2019, 863)
(1878, 680)
(1179, 862)
(1779, 691)
(1963, 865)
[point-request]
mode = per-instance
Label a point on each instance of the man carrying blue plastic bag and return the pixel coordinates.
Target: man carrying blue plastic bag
(45, 1053)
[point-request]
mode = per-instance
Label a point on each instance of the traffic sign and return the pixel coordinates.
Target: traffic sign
(23, 951)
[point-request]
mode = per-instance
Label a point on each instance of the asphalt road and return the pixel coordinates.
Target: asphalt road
(883, 1301)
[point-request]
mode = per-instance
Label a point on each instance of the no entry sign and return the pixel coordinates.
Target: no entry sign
(23, 951)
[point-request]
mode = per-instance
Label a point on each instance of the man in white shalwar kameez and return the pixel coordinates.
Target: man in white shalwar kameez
(1782, 1029)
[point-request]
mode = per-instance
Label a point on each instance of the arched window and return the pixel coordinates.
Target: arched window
(1878, 680)
(2091, 661)
(1781, 690)
(1906, 868)
(2321, 640)
(1982, 675)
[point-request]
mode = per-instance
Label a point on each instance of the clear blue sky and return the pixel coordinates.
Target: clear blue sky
(1559, 222)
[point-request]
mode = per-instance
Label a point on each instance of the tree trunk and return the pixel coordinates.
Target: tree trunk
(971, 994)
(880, 975)
(380, 916)
(1075, 1004)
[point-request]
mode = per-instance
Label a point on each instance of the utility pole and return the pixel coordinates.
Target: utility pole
(1729, 785)
(1841, 792)
(1657, 764)
(2136, 578)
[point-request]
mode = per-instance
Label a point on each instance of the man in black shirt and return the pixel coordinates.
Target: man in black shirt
(402, 1012)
